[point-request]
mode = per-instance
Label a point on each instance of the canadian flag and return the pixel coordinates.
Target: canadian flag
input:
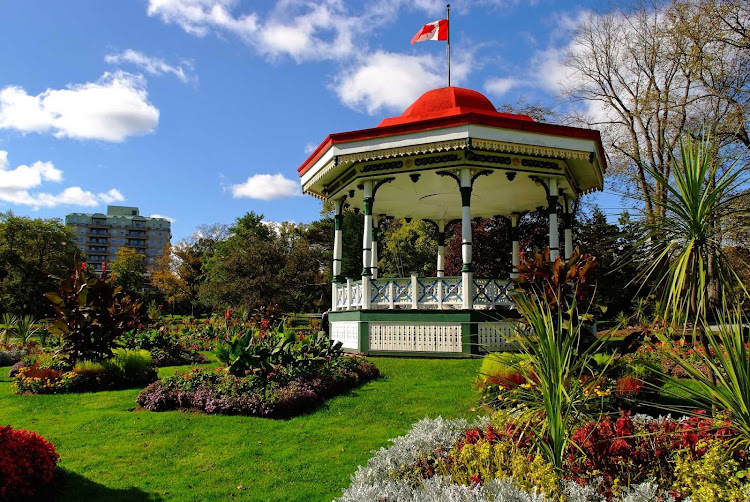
(433, 31)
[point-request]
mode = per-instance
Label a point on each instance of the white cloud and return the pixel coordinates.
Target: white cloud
(152, 65)
(388, 81)
(112, 195)
(111, 109)
(16, 183)
(310, 148)
(500, 86)
(300, 29)
(199, 17)
(171, 220)
(392, 81)
(266, 187)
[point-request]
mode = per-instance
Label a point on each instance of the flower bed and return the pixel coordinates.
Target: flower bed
(631, 458)
(266, 373)
(125, 370)
(27, 464)
(282, 394)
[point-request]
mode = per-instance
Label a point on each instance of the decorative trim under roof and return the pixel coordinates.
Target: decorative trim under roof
(532, 150)
(403, 151)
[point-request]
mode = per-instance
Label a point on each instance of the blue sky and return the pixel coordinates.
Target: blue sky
(201, 110)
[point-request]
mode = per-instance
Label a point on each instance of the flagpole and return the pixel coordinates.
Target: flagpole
(448, 45)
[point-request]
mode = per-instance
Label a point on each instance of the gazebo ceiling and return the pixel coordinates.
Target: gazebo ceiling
(413, 159)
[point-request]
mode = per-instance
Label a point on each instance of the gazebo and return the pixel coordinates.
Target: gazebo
(449, 156)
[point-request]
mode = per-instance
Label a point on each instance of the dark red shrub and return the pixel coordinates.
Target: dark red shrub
(27, 463)
(43, 373)
(628, 386)
(625, 450)
(508, 379)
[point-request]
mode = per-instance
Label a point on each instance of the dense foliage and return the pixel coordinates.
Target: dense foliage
(42, 374)
(91, 314)
(267, 373)
(31, 250)
(164, 344)
(27, 464)
(494, 460)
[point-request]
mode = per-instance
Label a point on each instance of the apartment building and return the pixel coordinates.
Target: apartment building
(100, 236)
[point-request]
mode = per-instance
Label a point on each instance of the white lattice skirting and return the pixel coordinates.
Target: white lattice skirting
(494, 336)
(346, 332)
(415, 337)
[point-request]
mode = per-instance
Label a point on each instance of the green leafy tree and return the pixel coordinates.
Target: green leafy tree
(613, 247)
(407, 247)
(32, 250)
(129, 271)
(178, 273)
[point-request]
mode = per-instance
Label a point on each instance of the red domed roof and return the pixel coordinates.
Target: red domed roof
(448, 101)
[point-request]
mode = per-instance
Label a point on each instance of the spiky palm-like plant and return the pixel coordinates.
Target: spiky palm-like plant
(9, 324)
(721, 378)
(561, 385)
(685, 236)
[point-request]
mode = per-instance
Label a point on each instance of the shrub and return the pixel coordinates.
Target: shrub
(86, 367)
(130, 363)
(259, 352)
(124, 370)
(625, 451)
(401, 471)
(628, 386)
(712, 478)
(164, 345)
(14, 370)
(27, 463)
(91, 315)
(477, 460)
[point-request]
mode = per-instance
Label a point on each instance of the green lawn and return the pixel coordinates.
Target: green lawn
(112, 452)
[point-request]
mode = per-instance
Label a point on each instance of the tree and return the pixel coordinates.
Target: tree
(646, 83)
(261, 264)
(491, 248)
(714, 40)
(407, 247)
(129, 271)
(613, 246)
(178, 273)
(31, 251)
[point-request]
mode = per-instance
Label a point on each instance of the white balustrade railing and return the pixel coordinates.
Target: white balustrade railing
(422, 293)
(492, 292)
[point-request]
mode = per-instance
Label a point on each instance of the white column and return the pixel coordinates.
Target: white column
(515, 254)
(338, 236)
(467, 274)
(568, 228)
(554, 236)
(367, 244)
(441, 249)
(374, 257)
(414, 290)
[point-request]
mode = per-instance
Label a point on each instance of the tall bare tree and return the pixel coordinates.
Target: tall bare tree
(647, 75)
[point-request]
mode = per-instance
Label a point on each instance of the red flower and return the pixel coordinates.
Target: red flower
(228, 314)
